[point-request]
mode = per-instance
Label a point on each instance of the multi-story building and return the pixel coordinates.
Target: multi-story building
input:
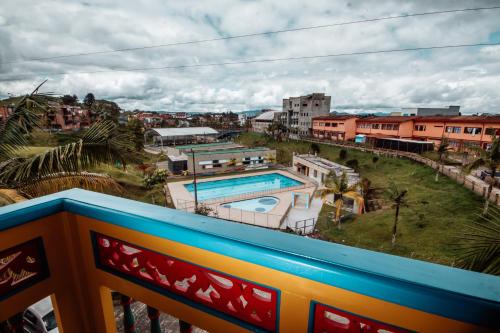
(298, 112)
(462, 132)
(5, 112)
(341, 127)
(66, 117)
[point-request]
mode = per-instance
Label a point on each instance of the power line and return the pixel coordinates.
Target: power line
(228, 63)
(253, 34)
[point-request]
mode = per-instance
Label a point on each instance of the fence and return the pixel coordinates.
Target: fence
(303, 227)
(477, 187)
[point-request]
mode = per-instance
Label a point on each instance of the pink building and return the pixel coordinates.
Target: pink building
(338, 128)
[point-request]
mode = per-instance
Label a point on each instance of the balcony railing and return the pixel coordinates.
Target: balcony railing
(78, 246)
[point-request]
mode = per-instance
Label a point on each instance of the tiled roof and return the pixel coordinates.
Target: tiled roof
(338, 117)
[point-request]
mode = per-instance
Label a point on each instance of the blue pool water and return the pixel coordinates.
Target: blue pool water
(242, 185)
(259, 205)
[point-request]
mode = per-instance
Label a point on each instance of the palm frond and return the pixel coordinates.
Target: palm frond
(101, 144)
(10, 196)
(25, 117)
(64, 181)
(478, 246)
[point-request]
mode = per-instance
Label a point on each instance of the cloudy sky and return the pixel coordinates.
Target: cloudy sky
(469, 77)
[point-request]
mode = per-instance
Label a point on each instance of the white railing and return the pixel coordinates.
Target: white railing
(250, 195)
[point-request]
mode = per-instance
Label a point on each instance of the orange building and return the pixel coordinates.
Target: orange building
(339, 128)
(462, 132)
(386, 127)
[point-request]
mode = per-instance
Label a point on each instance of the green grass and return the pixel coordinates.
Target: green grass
(437, 211)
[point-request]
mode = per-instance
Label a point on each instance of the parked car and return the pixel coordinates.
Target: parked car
(40, 318)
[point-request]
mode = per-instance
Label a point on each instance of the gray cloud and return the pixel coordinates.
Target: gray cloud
(469, 77)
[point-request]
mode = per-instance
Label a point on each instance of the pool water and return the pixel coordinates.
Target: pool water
(241, 185)
(260, 205)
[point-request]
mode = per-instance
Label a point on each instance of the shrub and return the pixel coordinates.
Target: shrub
(343, 154)
(315, 148)
(157, 177)
(353, 164)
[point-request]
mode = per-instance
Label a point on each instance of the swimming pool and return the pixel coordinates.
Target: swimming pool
(260, 205)
(241, 185)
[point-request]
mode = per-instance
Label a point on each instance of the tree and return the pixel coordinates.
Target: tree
(69, 100)
(60, 167)
(491, 159)
(375, 159)
(277, 130)
(478, 247)
(366, 191)
(315, 149)
(342, 154)
(135, 129)
(353, 164)
(89, 100)
(442, 150)
(340, 188)
(397, 196)
(232, 162)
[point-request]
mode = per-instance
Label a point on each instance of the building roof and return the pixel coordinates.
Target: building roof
(231, 151)
(336, 117)
(183, 131)
(387, 119)
(267, 116)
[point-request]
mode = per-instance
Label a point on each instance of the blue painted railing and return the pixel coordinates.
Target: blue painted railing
(444, 291)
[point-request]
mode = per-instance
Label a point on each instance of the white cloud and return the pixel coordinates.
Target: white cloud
(469, 77)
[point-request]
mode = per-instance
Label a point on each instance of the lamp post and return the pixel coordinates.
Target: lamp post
(194, 183)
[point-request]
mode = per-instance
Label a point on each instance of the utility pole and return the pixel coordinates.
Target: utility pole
(194, 183)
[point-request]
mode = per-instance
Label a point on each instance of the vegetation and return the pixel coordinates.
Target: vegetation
(478, 246)
(437, 210)
(58, 167)
(342, 154)
(340, 188)
(491, 159)
(442, 150)
(398, 198)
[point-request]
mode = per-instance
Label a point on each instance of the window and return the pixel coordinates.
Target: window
(375, 126)
(315, 173)
(453, 129)
(419, 128)
(491, 131)
(334, 124)
(472, 130)
(305, 104)
(363, 125)
(320, 124)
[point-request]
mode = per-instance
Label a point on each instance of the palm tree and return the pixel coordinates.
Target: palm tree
(479, 245)
(397, 196)
(442, 150)
(339, 187)
(270, 158)
(491, 159)
(60, 167)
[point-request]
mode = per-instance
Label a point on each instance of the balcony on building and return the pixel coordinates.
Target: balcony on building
(81, 247)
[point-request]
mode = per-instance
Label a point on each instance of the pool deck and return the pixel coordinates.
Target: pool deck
(183, 199)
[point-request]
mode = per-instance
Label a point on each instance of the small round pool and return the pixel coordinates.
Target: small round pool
(260, 205)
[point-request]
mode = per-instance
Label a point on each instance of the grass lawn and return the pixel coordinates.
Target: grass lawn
(437, 211)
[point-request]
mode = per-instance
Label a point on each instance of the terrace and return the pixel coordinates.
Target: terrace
(78, 246)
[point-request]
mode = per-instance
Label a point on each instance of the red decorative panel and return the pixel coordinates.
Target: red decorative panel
(234, 297)
(21, 266)
(331, 320)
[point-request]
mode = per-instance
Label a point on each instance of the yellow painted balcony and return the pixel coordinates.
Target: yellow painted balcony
(79, 246)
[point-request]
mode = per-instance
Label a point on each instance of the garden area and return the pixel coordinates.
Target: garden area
(436, 212)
